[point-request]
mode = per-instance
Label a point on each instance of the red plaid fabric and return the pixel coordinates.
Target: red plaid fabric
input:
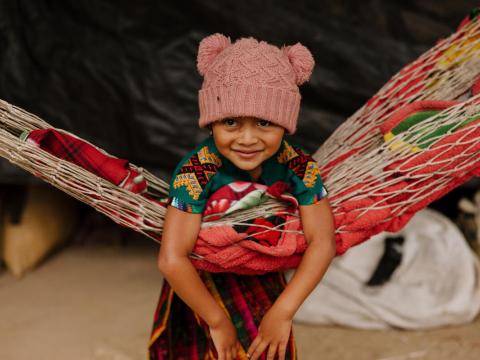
(81, 153)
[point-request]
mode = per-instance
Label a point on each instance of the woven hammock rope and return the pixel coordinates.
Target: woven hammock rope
(357, 164)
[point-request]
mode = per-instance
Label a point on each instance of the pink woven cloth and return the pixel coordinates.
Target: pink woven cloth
(250, 249)
(370, 214)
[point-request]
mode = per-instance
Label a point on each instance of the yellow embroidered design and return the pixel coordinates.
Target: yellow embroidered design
(287, 154)
(303, 165)
(205, 157)
(195, 174)
(311, 173)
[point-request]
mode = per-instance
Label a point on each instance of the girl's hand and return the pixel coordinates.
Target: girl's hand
(273, 332)
(224, 336)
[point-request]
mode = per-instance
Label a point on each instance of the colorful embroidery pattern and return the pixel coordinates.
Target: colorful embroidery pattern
(182, 205)
(287, 154)
(311, 173)
(303, 165)
(196, 173)
(320, 196)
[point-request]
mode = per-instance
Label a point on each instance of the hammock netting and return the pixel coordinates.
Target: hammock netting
(414, 141)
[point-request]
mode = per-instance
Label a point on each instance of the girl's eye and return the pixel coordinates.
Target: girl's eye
(230, 122)
(263, 123)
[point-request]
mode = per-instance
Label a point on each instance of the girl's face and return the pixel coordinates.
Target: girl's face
(247, 141)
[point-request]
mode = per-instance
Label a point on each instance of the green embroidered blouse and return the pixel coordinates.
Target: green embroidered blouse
(204, 170)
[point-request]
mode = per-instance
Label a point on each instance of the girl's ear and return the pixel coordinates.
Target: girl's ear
(208, 50)
(301, 60)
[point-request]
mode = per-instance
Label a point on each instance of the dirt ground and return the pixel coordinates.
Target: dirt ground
(97, 302)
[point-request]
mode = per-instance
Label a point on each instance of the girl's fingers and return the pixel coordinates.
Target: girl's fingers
(234, 353)
(253, 345)
(272, 349)
(228, 354)
(282, 349)
(236, 349)
(258, 351)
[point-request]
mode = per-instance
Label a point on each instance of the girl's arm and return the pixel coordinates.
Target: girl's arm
(319, 229)
(180, 231)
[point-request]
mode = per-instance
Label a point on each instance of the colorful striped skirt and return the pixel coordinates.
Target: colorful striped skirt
(179, 333)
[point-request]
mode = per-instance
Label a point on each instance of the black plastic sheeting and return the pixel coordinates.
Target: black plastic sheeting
(122, 74)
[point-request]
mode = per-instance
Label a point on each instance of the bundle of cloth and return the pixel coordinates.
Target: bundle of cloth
(254, 247)
(436, 150)
(434, 280)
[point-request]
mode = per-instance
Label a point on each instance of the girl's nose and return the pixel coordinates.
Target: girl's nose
(248, 136)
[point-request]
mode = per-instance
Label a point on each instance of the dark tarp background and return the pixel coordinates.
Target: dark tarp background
(122, 74)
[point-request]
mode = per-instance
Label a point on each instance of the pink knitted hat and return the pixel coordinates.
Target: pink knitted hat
(251, 78)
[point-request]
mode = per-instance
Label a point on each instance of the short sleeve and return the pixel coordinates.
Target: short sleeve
(305, 179)
(191, 180)
(309, 193)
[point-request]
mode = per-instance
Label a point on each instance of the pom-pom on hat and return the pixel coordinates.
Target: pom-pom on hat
(251, 78)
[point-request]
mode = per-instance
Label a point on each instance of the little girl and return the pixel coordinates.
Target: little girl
(249, 100)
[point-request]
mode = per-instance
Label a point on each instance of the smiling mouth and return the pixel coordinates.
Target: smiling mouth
(246, 154)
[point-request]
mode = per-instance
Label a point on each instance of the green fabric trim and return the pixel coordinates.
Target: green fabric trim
(430, 136)
(412, 120)
(24, 135)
